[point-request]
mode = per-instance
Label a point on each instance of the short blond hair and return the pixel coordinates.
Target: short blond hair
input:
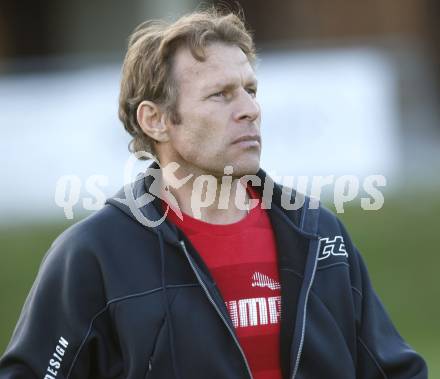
(147, 67)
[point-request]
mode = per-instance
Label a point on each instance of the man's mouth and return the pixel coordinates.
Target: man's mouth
(248, 140)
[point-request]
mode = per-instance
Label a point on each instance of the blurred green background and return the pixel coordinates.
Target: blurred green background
(399, 243)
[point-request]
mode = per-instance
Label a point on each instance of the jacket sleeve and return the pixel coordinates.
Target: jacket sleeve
(381, 351)
(54, 334)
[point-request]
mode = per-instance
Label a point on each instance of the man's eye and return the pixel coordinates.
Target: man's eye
(218, 94)
(252, 91)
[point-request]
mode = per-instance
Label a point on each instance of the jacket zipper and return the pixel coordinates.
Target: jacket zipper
(211, 300)
(301, 343)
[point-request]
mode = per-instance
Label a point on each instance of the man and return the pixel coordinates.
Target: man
(219, 289)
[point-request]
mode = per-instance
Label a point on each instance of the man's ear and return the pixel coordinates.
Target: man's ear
(152, 121)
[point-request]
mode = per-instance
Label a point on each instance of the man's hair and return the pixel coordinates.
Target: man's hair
(147, 67)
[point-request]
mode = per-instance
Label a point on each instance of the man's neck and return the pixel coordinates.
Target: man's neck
(214, 201)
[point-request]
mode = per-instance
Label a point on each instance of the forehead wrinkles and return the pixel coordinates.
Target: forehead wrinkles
(189, 70)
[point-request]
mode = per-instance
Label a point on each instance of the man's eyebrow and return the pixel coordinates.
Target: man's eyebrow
(229, 85)
(252, 82)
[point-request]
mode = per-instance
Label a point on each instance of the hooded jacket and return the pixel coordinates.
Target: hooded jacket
(114, 298)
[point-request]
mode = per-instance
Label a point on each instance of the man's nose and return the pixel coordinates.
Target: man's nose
(247, 107)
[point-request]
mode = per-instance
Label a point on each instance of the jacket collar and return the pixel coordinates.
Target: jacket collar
(141, 201)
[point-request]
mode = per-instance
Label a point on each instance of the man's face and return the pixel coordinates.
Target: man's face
(219, 112)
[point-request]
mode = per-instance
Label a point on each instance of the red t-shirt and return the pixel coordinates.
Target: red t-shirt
(242, 260)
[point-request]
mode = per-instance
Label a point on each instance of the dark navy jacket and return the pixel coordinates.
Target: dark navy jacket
(116, 299)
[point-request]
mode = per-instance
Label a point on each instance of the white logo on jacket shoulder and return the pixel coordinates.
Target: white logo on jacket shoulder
(332, 246)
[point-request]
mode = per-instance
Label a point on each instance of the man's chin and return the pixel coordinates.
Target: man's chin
(249, 168)
(236, 169)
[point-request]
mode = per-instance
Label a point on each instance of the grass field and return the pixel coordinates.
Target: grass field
(400, 246)
(399, 243)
